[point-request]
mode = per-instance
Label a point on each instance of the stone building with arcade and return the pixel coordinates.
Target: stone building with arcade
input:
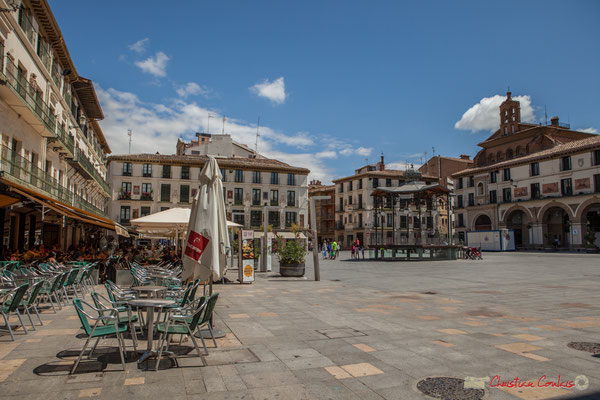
(542, 181)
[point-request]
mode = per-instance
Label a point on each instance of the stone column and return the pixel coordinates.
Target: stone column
(536, 235)
(576, 234)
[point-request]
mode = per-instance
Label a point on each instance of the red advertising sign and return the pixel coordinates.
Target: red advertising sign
(195, 245)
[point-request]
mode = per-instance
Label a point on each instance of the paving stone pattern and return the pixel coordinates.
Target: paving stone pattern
(367, 330)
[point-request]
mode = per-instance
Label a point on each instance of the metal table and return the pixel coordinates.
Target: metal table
(150, 305)
(152, 291)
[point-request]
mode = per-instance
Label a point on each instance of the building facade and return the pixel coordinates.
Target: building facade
(443, 167)
(144, 184)
(324, 210)
(355, 211)
(53, 151)
(541, 181)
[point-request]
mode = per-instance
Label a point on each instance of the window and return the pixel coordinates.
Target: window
(256, 177)
(341, 187)
(596, 157)
(184, 193)
(238, 218)
(360, 220)
(239, 175)
(274, 178)
(256, 197)
(461, 220)
(359, 201)
(165, 192)
(493, 197)
(389, 220)
(506, 174)
(255, 218)
(147, 170)
(291, 180)
(125, 191)
(459, 183)
(375, 182)
(350, 186)
(388, 182)
(146, 191)
(185, 172)
(291, 198)
(459, 201)
(565, 163)
(416, 223)
(471, 199)
(290, 218)
(360, 183)
(493, 176)
(274, 219)
(597, 183)
(506, 195)
(223, 175)
(429, 222)
(274, 197)
(535, 190)
(166, 173)
(127, 167)
(403, 221)
(350, 200)
(534, 169)
(471, 181)
(341, 204)
(238, 196)
(480, 189)
(125, 214)
(566, 187)
(145, 211)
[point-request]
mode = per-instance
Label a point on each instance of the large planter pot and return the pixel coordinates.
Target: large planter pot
(291, 270)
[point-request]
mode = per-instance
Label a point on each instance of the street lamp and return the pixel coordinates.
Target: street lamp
(313, 223)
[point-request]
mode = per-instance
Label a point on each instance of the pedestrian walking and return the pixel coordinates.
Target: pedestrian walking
(362, 249)
(324, 249)
(334, 247)
(352, 251)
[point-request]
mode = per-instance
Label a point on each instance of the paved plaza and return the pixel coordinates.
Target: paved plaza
(367, 330)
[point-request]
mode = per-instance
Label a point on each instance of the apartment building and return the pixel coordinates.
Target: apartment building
(542, 181)
(324, 210)
(143, 184)
(355, 210)
(53, 151)
(443, 167)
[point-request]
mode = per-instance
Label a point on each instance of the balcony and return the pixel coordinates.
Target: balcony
(274, 203)
(238, 202)
(125, 196)
(22, 171)
(24, 98)
(146, 197)
(85, 167)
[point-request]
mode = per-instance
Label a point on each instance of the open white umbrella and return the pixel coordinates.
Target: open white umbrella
(207, 243)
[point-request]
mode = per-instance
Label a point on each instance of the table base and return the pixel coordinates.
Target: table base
(205, 333)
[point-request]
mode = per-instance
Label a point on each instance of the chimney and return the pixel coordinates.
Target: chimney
(466, 156)
(381, 164)
(554, 121)
(508, 95)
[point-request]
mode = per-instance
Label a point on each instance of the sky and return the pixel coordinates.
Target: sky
(336, 84)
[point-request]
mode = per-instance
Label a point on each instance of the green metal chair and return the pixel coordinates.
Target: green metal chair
(50, 290)
(130, 319)
(70, 283)
(180, 324)
(106, 324)
(11, 304)
(31, 300)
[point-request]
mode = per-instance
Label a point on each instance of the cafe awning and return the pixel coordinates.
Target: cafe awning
(58, 206)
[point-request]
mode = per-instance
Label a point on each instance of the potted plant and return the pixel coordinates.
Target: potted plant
(291, 253)
(590, 240)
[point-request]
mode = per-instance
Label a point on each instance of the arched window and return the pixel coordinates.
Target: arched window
(490, 158)
(480, 189)
(509, 154)
(499, 156)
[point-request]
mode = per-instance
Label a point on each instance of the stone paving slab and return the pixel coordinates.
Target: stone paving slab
(367, 330)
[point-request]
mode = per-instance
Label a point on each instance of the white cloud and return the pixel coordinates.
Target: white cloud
(485, 115)
(274, 91)
(156, 65)
(359, 151)
(327, 154)
(192, 89)
(156, 127)
(588, 130)
(402, 165)
(139, 46)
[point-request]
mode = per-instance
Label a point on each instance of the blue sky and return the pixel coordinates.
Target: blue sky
(334, 82)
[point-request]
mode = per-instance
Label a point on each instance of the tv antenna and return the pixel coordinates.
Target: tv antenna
(129, 133)
(208, 124)
(257, 136)
(223, 130)
(545, 116)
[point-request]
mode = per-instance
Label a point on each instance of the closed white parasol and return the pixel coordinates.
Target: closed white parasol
(207, 243)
